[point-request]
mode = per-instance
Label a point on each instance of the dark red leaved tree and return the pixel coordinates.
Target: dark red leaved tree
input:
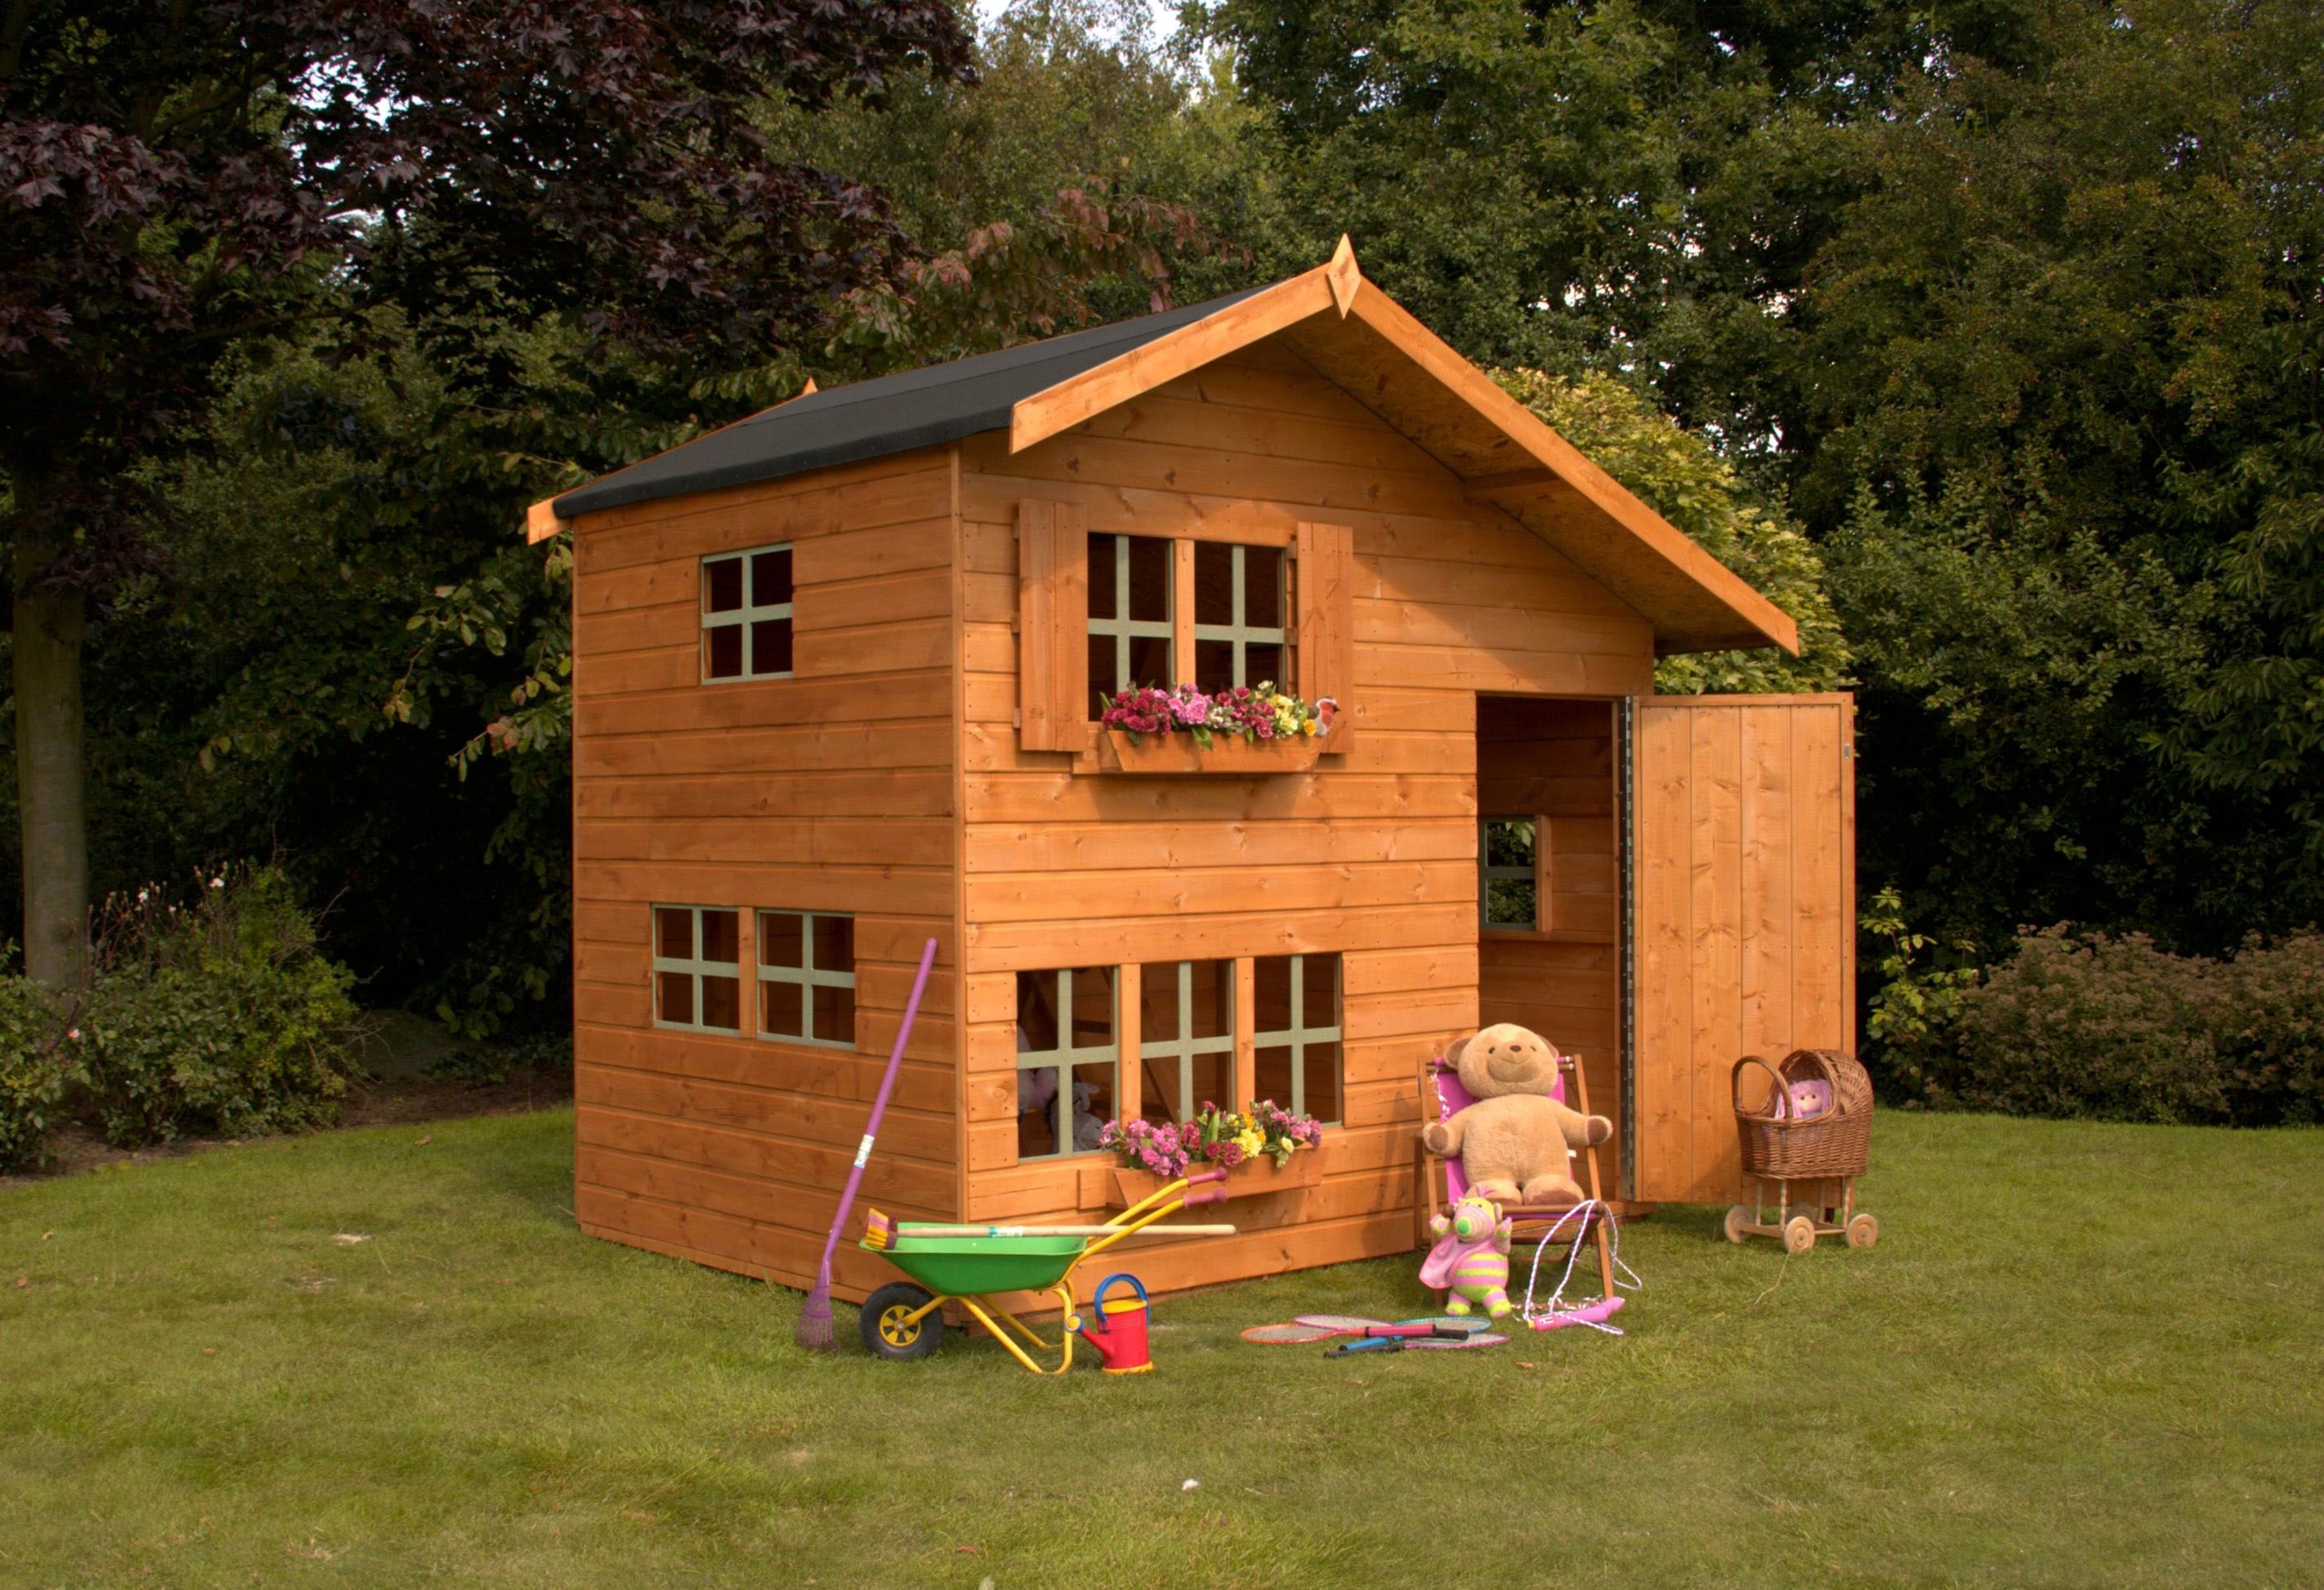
(176, 175)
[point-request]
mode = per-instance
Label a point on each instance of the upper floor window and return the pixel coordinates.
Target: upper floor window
(1509, 879)
(1240, 637)
(1100, 613)
(1185, 1043)
(1129, 616)
(746, 615)
(1296, 1007)
(1068, 1060)
(697, 968)
(807, 977)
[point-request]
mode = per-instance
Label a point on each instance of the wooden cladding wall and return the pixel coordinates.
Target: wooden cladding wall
(1372, 854)
(831, 791)
(1553, 761)
(1746, 836)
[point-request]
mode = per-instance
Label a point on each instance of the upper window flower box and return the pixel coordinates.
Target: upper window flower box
(1177, 753)
(1237, 732)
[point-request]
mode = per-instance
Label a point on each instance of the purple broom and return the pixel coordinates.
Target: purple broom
(815, 1319)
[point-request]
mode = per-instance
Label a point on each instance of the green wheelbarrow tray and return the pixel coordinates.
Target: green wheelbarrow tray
(969, 1266)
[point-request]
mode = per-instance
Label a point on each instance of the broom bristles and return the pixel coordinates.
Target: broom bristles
(815, 1316)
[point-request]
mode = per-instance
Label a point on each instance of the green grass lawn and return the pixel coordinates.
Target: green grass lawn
(2081, 1355)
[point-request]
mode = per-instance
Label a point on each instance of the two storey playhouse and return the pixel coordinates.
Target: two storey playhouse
(835, 675)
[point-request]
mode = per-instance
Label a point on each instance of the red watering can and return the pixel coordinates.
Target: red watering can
(1118, 1331)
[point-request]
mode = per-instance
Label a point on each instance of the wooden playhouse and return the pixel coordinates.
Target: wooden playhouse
(835, 673)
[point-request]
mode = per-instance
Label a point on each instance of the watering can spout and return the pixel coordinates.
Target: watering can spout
(1118, 1328)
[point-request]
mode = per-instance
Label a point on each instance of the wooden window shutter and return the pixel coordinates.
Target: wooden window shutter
(1327, 622)
(1052, 626)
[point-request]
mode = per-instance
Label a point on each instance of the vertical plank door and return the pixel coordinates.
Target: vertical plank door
(1741, 911)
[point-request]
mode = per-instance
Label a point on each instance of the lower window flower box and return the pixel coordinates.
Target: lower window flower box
(1120, 752)
(1252, 1179)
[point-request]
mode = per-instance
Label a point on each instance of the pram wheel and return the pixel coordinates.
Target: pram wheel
(1799, 1234)
(1738, 1219)
(888, 1331)
(1864, 1232)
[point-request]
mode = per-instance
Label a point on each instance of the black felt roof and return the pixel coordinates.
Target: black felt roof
(893, 414)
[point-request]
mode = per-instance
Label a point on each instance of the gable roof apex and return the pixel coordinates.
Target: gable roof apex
(1342, 324)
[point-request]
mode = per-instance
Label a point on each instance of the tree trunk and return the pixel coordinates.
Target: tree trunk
(50, 772)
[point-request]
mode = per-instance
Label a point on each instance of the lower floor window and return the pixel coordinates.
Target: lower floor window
(1068, 1060)
(807, 977)
(1297, 1044)
(1186, 1045)
(697, 968)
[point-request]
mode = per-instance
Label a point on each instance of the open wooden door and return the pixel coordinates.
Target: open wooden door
(1739, 896)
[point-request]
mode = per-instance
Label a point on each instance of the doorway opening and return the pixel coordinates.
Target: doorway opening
(1548, 886)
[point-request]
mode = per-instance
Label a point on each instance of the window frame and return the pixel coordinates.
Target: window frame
(1298, 1036)
(1239, 635)
(1121, 628)
(1186, 1046)
(695, 967)
(1067, 1056)
(748, 614)
(806, 977)
(1488, 873)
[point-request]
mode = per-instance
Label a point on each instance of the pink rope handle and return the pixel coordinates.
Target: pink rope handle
(879, 1105)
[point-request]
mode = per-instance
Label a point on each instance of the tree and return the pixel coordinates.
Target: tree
(176, 179)
(1676, 472)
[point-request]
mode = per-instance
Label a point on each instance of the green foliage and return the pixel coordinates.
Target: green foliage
(38, 1060)
(487, 1065)
(219, 1016)
(1913, 1004)
(2055, 393)
(1675, 472)
(2014, 669)
(2114, 1028)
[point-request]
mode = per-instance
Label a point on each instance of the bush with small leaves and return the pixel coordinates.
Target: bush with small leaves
(2114, 1028)
(36, 1065)
(217, 1016)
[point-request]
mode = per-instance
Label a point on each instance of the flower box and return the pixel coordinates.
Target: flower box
(1252, 1179)
(1119, 752)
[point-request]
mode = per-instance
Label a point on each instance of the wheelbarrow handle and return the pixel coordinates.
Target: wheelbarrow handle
(1200, 1177)
(1205, 1195)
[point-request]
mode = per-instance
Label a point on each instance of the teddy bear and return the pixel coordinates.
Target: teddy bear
(1471, 1258)
(1516, 1143)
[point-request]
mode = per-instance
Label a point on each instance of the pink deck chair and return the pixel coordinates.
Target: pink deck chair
(1441, 1098)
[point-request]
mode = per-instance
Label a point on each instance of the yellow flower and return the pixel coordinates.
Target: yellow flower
(1308, 728)
(1251, 1143)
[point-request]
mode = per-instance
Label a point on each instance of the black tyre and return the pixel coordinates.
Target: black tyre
(885, 1333)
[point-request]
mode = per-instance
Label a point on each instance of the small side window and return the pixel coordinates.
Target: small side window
(807, 977)
(746, 615)
(697, 968)
(1509, 882)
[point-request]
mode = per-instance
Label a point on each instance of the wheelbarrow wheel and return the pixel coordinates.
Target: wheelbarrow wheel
(886, 1331)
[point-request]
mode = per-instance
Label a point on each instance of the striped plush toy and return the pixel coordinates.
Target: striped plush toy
(1471, 1258)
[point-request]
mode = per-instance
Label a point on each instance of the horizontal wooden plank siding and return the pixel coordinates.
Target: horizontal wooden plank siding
(1370, 855)
(834, 790)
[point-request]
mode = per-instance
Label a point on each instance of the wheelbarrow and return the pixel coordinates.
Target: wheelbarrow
(968, 1265)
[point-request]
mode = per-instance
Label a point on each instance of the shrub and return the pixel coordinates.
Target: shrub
(2113, 1028)
(35, 1066)
(220, 1017)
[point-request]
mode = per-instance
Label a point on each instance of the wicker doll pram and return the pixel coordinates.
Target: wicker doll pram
(1827, 1151)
